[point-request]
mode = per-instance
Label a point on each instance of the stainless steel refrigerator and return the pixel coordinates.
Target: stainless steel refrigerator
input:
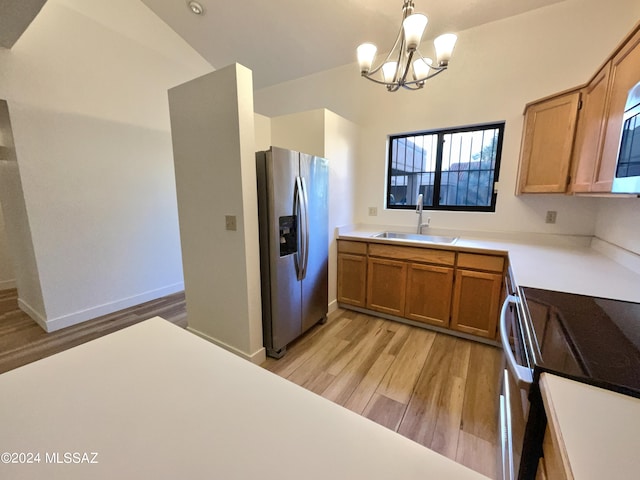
(293, 204)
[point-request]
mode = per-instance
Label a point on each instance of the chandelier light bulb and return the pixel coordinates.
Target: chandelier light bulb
(444, 48)
(421, 68)
(414, 26)
(389, 71)
(366, 54)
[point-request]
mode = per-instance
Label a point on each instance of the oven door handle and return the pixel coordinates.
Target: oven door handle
(522, 374)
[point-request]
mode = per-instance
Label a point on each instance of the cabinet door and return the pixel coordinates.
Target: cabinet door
(587, 150)
(476, 300)
(429, 290)
(386, 283)
(352, 279)
(625, 74)
(547, 142)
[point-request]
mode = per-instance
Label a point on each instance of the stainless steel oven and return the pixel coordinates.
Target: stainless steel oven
(516, 381)
(588, 339)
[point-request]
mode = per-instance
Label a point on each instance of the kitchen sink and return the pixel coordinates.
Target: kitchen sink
(416, 237)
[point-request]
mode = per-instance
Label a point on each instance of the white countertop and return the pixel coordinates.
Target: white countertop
(155, 401)
(552, 262)
(598, 428)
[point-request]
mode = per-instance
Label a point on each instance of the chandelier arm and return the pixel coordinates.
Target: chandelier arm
(399, 39)
(431, 66)
(422, 80)
(377, 81)
(403, 80)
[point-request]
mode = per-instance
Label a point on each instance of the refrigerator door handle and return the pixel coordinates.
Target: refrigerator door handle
(305, 205)
(298, 212)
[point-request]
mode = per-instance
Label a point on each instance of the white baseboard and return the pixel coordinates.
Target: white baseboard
(63, 321)
(257, 357)
(7, 284)
(333, 306)
(36, 316)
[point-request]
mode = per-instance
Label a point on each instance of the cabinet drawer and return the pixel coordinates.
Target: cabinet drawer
(476, 261)
(415, 254)
(346, 246)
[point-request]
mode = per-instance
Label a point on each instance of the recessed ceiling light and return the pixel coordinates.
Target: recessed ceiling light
(196, 8)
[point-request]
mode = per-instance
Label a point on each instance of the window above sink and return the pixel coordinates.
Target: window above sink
(454, 169)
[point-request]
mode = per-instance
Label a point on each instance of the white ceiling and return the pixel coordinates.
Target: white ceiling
(285, 39)
(15, 17)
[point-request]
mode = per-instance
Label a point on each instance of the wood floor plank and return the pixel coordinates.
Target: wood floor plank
(346, 382)
(385, 411)
(451, 401)
(319, 362)
(479, 414)
(478, 454)
(304, 348)
(398, 383)
(366, 389)
(421, 416)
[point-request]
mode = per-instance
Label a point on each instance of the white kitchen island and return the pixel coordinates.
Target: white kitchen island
(154, 401)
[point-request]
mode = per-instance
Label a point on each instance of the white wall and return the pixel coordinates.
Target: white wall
(7, 159)
(497, 68)
(7, 278)
(262, 127)
(618, 222)
(341, 148)
(301, 131)
(212, 124)
(325, 134)
(87, 92)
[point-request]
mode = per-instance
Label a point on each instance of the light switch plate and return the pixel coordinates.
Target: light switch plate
(230, 222)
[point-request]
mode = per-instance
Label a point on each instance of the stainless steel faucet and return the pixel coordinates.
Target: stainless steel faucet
(419, 212)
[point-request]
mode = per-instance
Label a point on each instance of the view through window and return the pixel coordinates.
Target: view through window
(454, 169)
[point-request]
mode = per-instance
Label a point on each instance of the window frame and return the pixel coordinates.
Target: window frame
(441, 132)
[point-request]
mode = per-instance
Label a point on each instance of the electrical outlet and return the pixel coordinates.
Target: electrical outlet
(230, 222)
(551, 216)
(373, 211)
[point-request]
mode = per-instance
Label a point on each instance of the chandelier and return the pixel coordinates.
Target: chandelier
(405, 66)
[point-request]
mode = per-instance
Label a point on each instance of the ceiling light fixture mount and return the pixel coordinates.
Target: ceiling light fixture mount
(405, 66)
(195, 7)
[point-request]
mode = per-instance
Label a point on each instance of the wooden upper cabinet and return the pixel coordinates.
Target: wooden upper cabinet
(547, 142)
(625, 74)
(587, 150)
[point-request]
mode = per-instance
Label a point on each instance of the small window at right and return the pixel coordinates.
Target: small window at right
(454, 168)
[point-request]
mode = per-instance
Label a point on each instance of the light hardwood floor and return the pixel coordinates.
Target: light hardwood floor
(438, 390)
(22, 340)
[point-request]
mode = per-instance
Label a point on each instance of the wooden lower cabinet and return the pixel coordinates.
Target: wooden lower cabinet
(552, 460)
(454, 290)
(428, 297)
(476, 302)
(386, 285)
(352, 279)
